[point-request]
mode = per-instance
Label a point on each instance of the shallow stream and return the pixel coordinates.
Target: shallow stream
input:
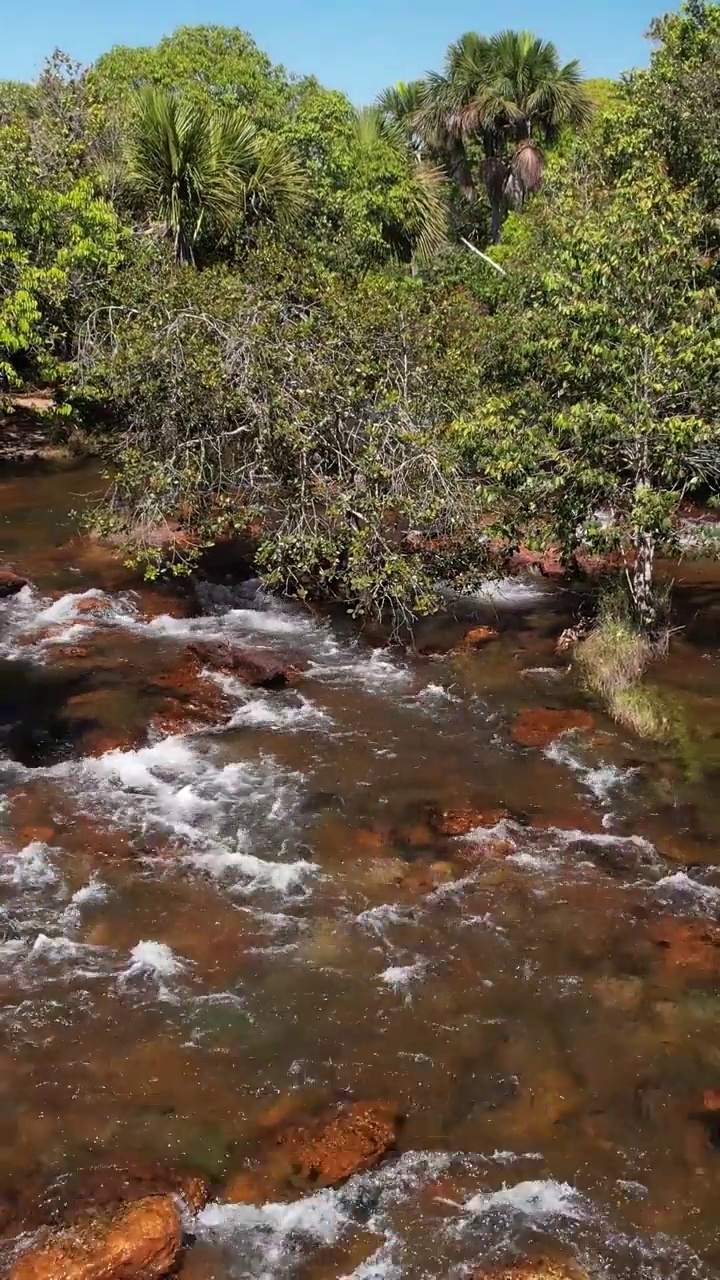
(219, 925)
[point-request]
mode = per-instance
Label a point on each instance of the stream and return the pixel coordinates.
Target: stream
(367, 885)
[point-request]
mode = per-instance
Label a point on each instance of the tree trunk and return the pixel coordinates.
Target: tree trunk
(642, 581)
(496, 219)
(184, 255)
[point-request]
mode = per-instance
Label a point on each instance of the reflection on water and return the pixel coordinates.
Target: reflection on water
(361, 886)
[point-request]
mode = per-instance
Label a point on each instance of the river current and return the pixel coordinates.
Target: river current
(290, 907)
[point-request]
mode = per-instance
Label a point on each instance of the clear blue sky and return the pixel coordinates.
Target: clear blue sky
(355, 45)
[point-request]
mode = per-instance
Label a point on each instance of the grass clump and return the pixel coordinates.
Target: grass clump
(613, 659)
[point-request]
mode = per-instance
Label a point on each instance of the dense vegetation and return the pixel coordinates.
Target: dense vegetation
(265, 304)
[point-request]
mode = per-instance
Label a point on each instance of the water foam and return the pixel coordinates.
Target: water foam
(403, 977)
(537, 1198)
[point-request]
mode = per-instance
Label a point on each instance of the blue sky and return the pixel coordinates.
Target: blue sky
(355, 45)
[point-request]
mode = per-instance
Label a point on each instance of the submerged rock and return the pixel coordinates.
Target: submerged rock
(323, 1152)
(458, 822)
(190, 700)
(688, 946)
(263, 670)
(476, 638)
(330, 1150)
(11, 583)
(140, 1241)
(539, 1269)
(540, 726)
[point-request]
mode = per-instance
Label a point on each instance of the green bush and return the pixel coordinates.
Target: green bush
(314, 411)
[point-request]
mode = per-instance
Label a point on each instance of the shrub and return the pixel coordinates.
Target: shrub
(312, 410)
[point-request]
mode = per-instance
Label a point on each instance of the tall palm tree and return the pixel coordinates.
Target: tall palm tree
(511, 94)
(191, 165)
(423, 228)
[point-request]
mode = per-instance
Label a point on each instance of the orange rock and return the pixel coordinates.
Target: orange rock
(72, 653)
(141, 1241)
(11, 583)
(159, 604)
(477, 637)
(39, 835)
(457, 822)
(475, 851)
(247, 1188)
(539, 1269)
(263, 670)
(329, 1151)
(538, 727)
(692, 946)
(367, 839)
(418, 835)
(92, 605)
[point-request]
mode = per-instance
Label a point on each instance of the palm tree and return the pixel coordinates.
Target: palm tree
(510, 94)
(191, 165)
(422, 229)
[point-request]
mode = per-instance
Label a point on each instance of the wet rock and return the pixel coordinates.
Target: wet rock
(159, 603)
(103, 1189)
(73, 653)
(92, 606)
(94, 720)
(344, 1258)
(473, 852)
(10, 583)
(191, 700)
(538, 1269)
(548, 563)
(414, 835)
(539, 727)
(690, 947)
(141, 1241)
(332, 1149)
(622, 995)
(262, 670)
(248, 1187)
(476, 638)
(371, 840)
(458, 822)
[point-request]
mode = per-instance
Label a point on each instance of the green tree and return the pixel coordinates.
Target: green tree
(671, 109)
(209, 64)
(507, 96)
(602, 397)
(413, 215)
(60, 243)
(191, 165)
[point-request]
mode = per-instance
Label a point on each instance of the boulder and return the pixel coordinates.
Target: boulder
(92, 606)
(263, 670)
(331, 1149)
(140, 1241)
(540, 726)
(11, 583)
(324, 1151)
(458, 822)
(476, 638)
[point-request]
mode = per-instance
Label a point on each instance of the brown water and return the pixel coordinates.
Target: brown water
(205, 926)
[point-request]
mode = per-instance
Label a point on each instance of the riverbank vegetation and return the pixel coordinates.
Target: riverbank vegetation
(267, 306)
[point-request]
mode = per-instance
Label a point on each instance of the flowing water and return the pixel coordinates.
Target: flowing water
(200, 930)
